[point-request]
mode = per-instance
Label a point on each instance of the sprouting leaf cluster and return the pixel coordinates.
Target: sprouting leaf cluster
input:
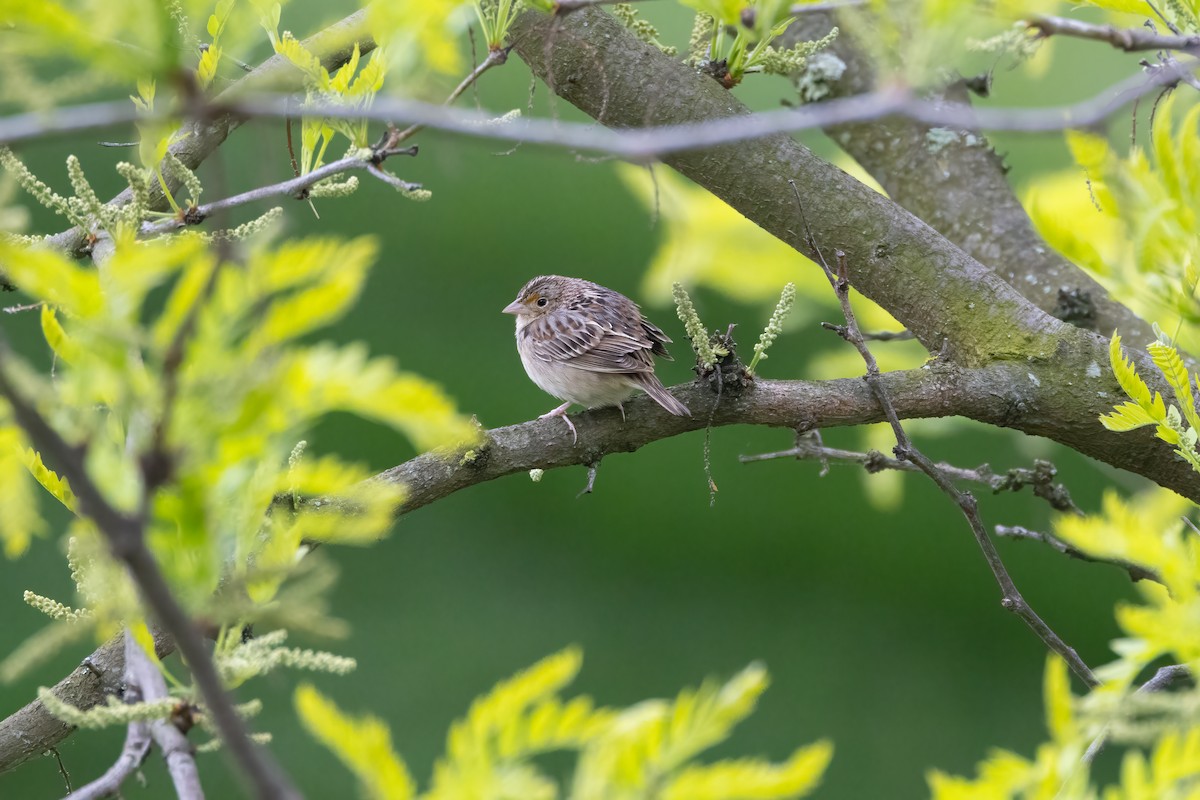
(348, 86)
(647, 750)
(1177, 425)
(731, 39)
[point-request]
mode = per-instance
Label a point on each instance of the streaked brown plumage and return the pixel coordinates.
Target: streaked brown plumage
(586, 344)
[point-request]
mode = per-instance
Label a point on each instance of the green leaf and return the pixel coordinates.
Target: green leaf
(1167, 359)
(58, 487)
(1132, 384)
(1126, 417)
(57, 338)
(19, 517)
(753, 779)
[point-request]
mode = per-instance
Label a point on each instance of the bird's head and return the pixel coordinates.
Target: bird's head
(539, 297)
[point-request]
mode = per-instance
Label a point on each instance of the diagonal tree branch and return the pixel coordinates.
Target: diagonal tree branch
(954, 305)
(905, 450)
(955, 181)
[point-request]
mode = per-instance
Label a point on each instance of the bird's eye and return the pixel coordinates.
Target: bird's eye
(542, 302)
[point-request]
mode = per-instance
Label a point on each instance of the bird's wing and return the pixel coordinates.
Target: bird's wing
(597, 342)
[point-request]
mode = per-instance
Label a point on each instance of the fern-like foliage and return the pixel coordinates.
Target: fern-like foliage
(1178, 425)
(646, 751)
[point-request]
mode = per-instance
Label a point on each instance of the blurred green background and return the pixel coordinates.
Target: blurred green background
(882, 631)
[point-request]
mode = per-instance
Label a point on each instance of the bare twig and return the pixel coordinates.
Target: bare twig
(125, 535)
(1041, 476)
(1127, 39)
(294, 187)
(888, 336)
(1136, 572)
(906, 450)
(62, 768)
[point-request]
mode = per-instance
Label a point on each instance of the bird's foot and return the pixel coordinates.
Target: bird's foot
(561, 411)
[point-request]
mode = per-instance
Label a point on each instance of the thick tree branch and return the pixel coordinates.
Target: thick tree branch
(953, 304)
(998, 394)
(955, 182)
(32, 730)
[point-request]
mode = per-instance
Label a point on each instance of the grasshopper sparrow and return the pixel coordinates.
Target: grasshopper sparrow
(589, 345)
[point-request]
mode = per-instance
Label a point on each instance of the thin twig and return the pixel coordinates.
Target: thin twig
(1040, 476)
(125, 535)
(646, 143)
(1136, 572)
(906, 450)
(591, 479)
(62, 768)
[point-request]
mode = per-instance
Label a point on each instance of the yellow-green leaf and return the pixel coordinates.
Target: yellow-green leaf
(363, 744)
(19, 517)
(753, 779)
(1167, 359)
(58, 487)
(51, 276)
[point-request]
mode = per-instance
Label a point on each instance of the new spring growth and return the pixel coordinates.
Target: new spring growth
(775, 326)
(694, 327)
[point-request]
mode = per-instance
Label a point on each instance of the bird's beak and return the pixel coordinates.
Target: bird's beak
(515, 307)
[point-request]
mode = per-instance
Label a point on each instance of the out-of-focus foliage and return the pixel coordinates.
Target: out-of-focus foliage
(187, 411)
(647, 750)
(917, 41)
(1184, 15)
(732, 39)
(1131, 220)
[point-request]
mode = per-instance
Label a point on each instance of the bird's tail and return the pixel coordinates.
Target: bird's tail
(649, 383)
